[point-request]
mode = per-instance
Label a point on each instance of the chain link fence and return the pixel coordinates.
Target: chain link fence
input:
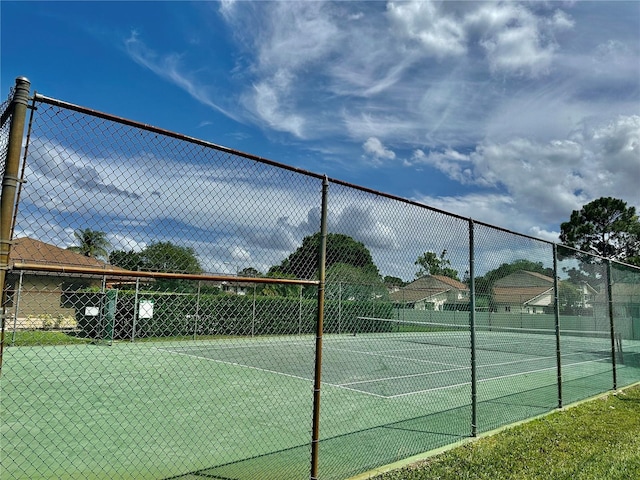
(176, 309)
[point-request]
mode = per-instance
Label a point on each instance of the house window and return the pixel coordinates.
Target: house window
(507, 308)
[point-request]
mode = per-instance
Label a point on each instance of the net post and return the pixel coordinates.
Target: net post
(556, 312)
(472, 331)
(9, 187)
(315, 436)
(611, 324)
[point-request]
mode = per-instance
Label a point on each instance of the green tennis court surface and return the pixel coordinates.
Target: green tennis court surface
(242, 408)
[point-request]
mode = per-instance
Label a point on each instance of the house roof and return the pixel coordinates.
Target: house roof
(521, 287)
(518, 295)
(28, 250)
(427, 287)
(524, 278)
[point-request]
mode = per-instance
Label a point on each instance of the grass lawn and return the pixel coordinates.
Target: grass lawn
(597, 440)
(30, 338)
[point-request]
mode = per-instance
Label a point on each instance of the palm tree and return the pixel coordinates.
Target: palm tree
(93, 243)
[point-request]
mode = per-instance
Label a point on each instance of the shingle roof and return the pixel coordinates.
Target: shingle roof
(524, 278)
(521, 287)
(28, 250)
(426, 287)
(517, 295)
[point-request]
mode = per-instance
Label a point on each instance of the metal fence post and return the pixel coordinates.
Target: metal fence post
(611, 324)
(315, 439)
(339, 307)
(300, 311)
(9, 187)
(16, 311)
(472, 330)
(556, 309)
(135, 310)
(197, 315)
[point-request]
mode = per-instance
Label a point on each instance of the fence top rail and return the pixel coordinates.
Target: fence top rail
(115, 272)
(37, 97)
(178, 136)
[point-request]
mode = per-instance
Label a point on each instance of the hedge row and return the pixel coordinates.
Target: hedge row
(192, 315)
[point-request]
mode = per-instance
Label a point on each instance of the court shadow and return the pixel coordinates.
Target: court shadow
(351, 453)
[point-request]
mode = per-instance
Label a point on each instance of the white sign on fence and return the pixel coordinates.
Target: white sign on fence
(145, 309)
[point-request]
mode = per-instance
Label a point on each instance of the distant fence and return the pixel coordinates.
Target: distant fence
(212, 301)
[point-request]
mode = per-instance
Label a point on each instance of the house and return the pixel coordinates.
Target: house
(625, 300)
(432, 292)
(35, 299)
(523, 292)
(587, 296)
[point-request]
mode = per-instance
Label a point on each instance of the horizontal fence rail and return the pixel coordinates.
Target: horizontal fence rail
(173, 308)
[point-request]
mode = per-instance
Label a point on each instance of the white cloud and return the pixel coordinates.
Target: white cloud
(239, 253)
(268, 103)
(124, 242)
(419, 74)
(227, 8)
(492, 208)
(143, 198)
(517, 40)
(365, 224)
(549, 180)
(171, 67)
(451, 162)
(439, 35)
(376, 151)
(531, 100)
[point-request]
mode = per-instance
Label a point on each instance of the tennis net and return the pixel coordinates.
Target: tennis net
(520, 340)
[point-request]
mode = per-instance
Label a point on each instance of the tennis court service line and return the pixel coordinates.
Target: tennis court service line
(235, 364)
(407, 394)
(346, 386)
(500, 377)
(399, 377)
(375, 354)
(266, 370)
(428, 390)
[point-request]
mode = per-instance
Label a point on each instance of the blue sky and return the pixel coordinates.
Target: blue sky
(511, 113)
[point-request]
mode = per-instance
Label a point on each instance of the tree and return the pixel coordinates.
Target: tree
(129, 260)
(278, 289)
(93, 243)
(346, 282)
(303, 263)
(605, 227)
(431, 264)
(167, 257)
(161, 257)
(569, 298)
(249, 272)
(393, 282)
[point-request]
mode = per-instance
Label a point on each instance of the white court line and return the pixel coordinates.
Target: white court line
(259, 369)
(345, 387)
(479, 366)
(236, 364)
(488, 379)
(375, 354)
(247, 344)
(413, 375)
(535, 359)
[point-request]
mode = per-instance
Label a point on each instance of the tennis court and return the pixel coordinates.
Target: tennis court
(192, 353)
(240, 408)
